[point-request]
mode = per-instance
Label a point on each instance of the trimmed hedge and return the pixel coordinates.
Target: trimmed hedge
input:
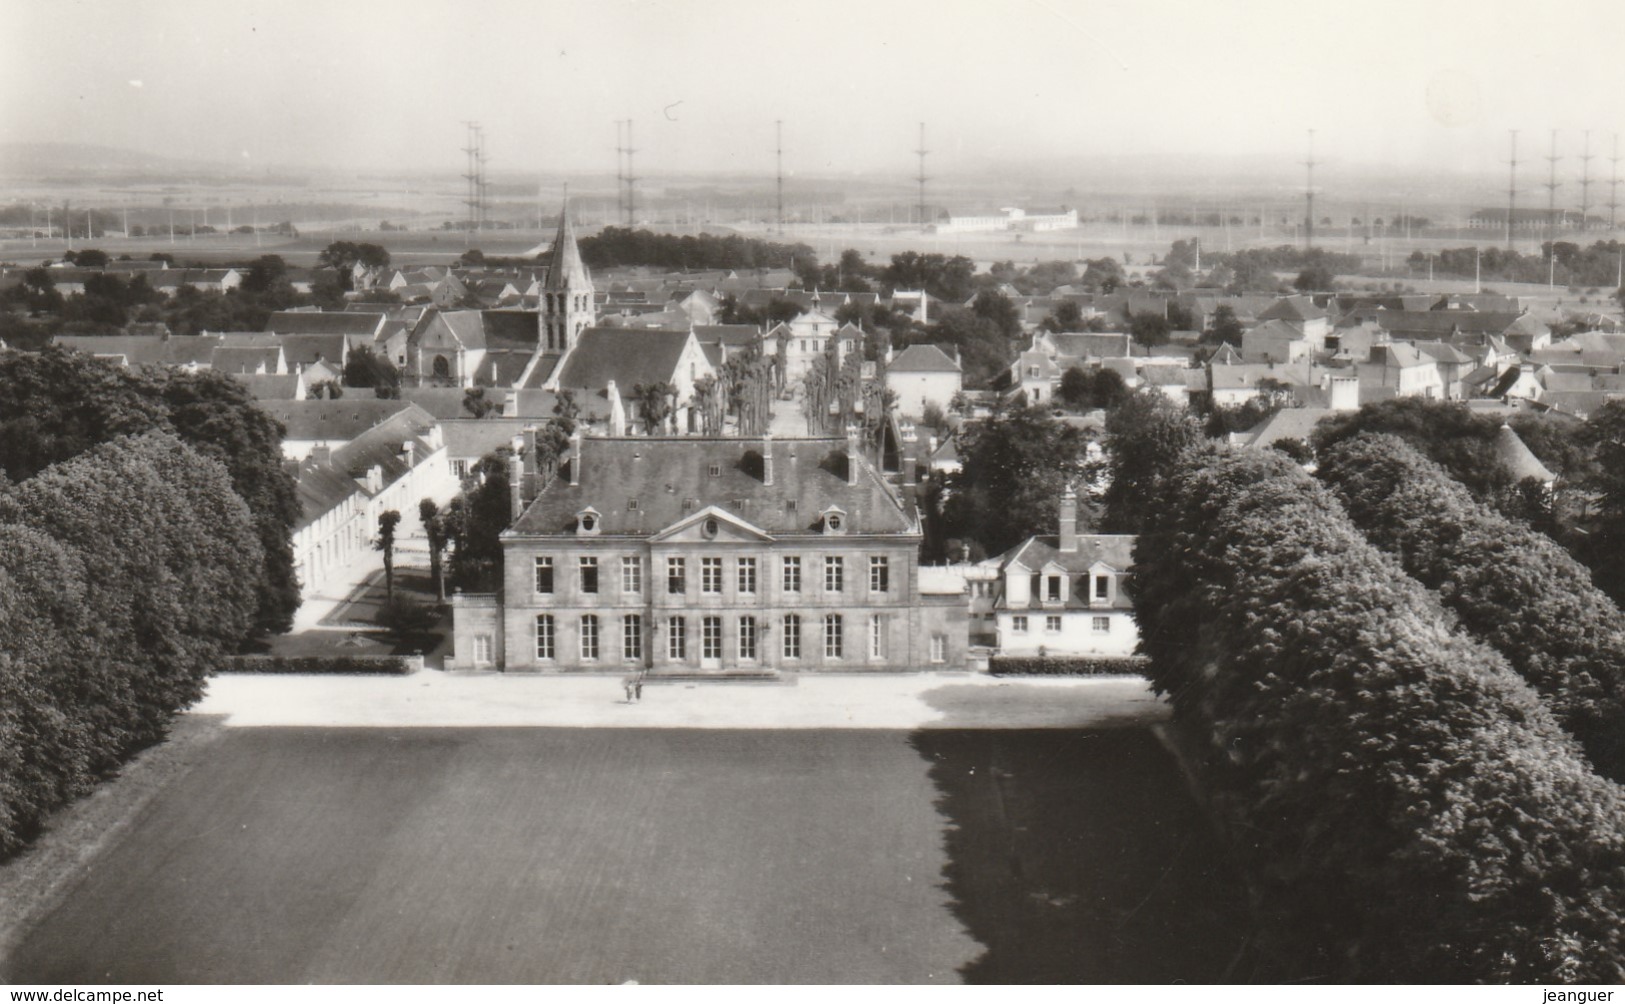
(1406, 807)
(1067, 665)
(330, 665)
(1512, 586)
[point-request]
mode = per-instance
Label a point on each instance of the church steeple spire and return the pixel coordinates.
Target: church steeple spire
(568, 305)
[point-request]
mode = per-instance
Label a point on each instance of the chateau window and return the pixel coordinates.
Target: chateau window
(1052, 624)
(747, 576)
(676, 581)
(711, 638)
(939, 648)
(1018, 624)
(792, 636)
(632, 637)
(710, 575)
(1102, 587)
(482, 649)
(589, 637)
(877, 636)
(632, 574)
(747, 638)
(833, 573)
(879, 574)
(832, 636)
(589, 575)
(544, 575)
(1052, 591)
(544, 636)
(459, 468)
(676, 639)
(1102, 625)
(792, 574)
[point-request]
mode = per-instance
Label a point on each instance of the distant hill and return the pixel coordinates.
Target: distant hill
(57, 160)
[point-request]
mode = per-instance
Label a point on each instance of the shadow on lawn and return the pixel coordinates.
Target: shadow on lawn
(1080, 857)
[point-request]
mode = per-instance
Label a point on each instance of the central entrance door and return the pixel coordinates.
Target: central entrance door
(711, 643)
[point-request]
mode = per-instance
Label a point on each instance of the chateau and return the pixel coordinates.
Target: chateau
(683, 555)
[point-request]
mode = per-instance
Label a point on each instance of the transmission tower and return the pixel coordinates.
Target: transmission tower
(620, 169)
(922, 152)
(1613, 185)
(631, 180)
(1309, 195)
(778, 153)
(1585, 181)
(475, 177)
(1552, 185)
(1512, 188)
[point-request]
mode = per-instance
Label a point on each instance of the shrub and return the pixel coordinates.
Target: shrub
(1400, 798)
(1510, 585)
(333, 665)
(1066, 665)
(402, 615)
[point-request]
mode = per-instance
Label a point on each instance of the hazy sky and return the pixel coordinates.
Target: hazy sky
(362, 84)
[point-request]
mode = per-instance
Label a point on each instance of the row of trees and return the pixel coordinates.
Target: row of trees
(617, 246)
(127, 572)
(56, 405)
(1404, 805)
(1509, 584)
(1597, 265)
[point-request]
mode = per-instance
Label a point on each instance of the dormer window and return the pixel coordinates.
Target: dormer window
(834, 519)
(715, 470)
(631, 505)
(587, 521)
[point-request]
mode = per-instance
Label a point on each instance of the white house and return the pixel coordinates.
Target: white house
(1066, 595)
(921, 375)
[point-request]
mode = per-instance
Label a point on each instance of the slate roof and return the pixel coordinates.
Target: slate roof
(1292, 308)
(321, 488)
(1115, 551)
(727, 334)
(246, 358)
(270, 386)
(627, 356)
(662, 473)
(511, 328)
(323, 322)
(475, 437)
(1288, 423)
(1087, 345)
(922, 359)
(318, 420)
(147, 350)
(1518, 459)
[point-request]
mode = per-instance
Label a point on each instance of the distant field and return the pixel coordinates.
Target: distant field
(876, 241)
(675, 856)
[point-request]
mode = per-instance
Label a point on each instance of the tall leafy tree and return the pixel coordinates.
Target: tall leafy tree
(1016, 467)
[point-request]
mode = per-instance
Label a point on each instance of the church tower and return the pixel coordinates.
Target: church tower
(568, 306)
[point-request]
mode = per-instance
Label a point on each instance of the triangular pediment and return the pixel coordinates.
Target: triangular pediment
(711, 525)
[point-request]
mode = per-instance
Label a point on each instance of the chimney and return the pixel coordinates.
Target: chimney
(1069, 522)
(408, 454)
(516, 487)
(910, 459)
(321, 453)
(767, 458)
(575, 458)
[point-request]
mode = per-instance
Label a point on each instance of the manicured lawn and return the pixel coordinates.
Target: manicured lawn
(687, 856)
